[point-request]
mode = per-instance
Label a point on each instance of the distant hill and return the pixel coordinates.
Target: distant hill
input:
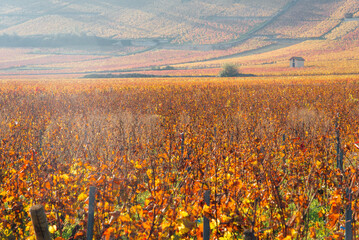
(181, 21)
(108, 35)
(178, 21)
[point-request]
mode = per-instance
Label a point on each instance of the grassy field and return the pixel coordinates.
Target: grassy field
(266, 148)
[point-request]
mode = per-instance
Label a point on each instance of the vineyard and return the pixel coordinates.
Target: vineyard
(298, 23)
(182, 21)
(279, 156)
(330, 56)
(51, 62)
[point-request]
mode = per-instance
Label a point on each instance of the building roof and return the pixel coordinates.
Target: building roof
(297, 58)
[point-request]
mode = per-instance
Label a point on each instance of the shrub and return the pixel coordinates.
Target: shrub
(229, 70)
(168, 68)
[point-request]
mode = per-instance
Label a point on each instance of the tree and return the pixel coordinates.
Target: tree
(229, 70)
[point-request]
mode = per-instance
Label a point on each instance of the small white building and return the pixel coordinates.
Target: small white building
(296, 62)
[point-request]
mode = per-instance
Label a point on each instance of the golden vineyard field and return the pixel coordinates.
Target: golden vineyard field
(266, 148)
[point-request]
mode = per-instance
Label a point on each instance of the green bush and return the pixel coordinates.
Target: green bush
(229, 70)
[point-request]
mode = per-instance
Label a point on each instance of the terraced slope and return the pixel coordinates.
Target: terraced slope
(310, 19)
(193, 21)
(66, 37)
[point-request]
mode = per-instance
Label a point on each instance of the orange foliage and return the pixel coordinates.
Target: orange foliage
(265, 148)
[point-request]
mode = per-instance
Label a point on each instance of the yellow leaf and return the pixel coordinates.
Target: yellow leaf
(214, 224)
(183, 214)
(318, 163)
(149, 172)
(183, 229)
(227, 236)
(81, 197)
(206, 211)
(225, 218)
(165, 224)
(65, 177)
(52, 229)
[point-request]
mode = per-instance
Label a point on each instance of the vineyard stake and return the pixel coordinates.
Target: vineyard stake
(348, 217)
(348, 207)
(339, 150)
(39, 221)
(206, 227)
(91, 213)
(285, 153)
(182, 145)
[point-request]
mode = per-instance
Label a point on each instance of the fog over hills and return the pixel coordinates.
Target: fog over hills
(180, 20)
(206, 29)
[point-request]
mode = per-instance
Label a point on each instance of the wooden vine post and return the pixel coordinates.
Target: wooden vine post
(206, 227)
(182, 145)
(348, 217)
(348, 207)
(39, 221)
(339, 149)
(91, 213)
